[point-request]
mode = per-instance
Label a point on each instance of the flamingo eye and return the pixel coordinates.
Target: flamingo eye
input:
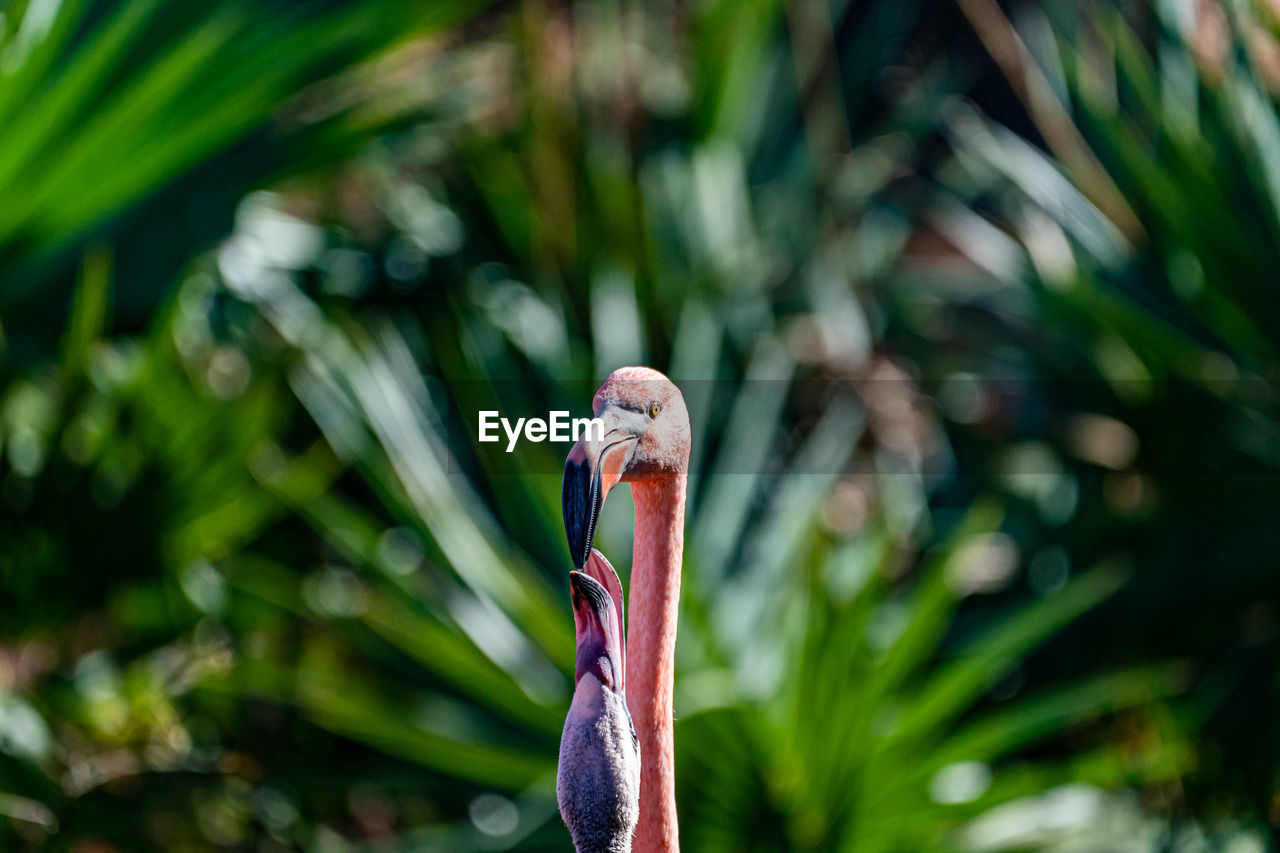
(654, 409)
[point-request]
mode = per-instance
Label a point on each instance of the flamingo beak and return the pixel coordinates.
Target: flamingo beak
(601, 571)
(599, 633)
(595, 465)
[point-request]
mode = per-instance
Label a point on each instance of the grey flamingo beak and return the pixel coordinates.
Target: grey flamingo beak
(595, 465)
(598, 620)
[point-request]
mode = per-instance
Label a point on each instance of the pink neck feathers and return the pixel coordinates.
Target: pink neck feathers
(651, 644)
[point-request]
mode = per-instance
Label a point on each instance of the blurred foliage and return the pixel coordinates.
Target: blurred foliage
(976, 552)
(1116, 373)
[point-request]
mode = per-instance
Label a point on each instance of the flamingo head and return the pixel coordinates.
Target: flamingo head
(597, 617)
(598, 775)
(645, 436)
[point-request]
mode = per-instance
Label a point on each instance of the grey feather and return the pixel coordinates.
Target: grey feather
(598, 781)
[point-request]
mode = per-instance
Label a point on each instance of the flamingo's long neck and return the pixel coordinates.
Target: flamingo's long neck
(651, 645)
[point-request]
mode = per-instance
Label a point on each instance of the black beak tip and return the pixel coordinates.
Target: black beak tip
(585, 588)
(578, 503)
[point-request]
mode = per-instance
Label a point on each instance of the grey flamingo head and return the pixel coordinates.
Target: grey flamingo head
(598, 781)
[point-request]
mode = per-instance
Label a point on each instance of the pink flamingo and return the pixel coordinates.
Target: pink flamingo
(645, 443)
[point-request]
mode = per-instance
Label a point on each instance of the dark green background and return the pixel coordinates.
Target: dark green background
(975, 307)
